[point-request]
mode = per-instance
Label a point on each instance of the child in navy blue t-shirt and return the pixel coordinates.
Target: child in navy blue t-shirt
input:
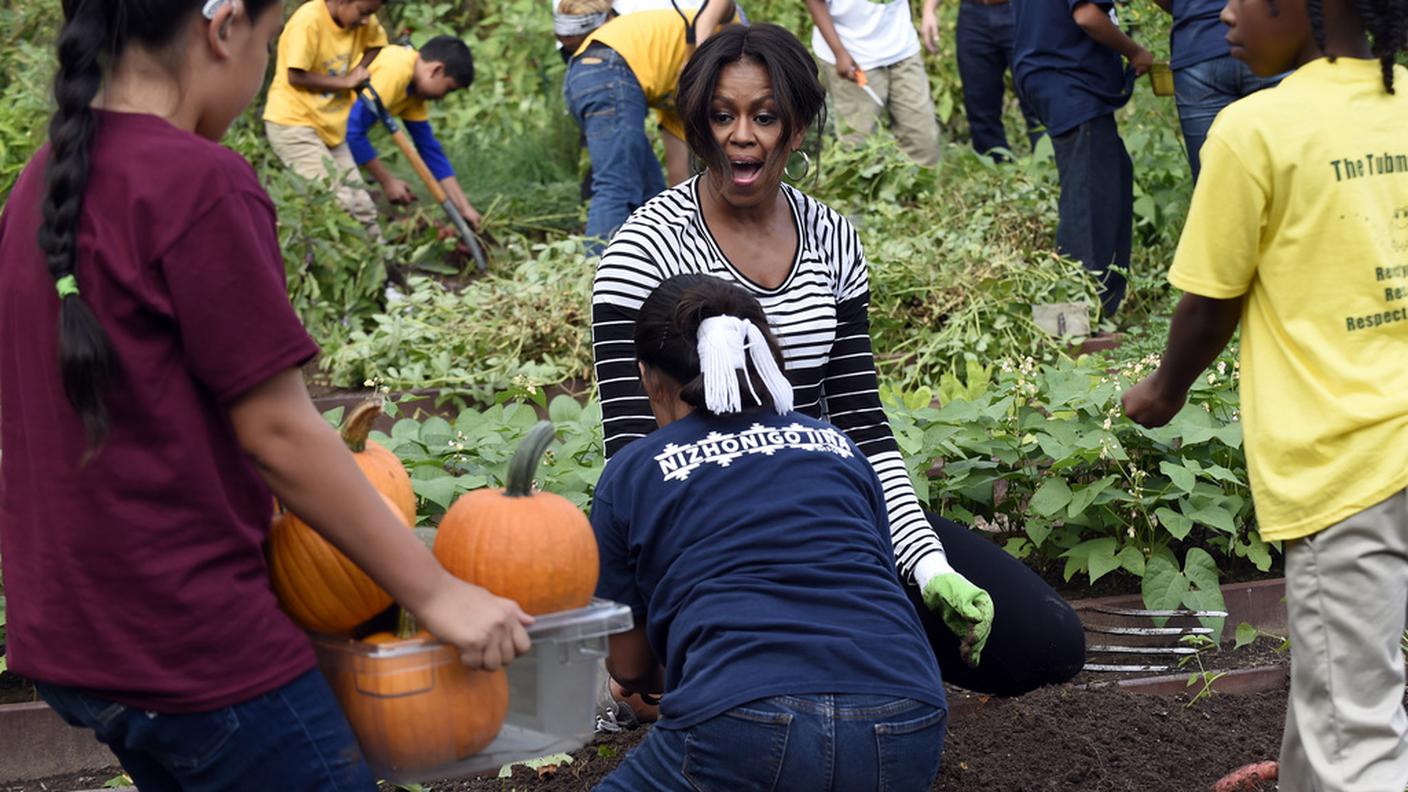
(1067, 64)
(752, 543)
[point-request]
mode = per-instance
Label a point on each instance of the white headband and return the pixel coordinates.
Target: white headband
(577, 24)
(726, 343)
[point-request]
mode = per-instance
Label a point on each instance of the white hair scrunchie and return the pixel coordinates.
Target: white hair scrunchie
(725, 345)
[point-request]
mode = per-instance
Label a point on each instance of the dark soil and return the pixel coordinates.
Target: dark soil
(1058, 739)
(15, 689)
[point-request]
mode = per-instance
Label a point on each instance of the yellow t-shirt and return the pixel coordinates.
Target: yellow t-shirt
(1302, 205)
(392, 72)
(312, 41)
(653, 44)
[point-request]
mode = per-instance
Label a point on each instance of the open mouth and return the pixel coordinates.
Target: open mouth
(745, 171)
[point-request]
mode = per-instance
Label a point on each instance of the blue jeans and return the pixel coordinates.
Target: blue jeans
(294, 738)
(984, 38)
(1202, 90)
(606, 99)
(1096, 208)
(811, 743)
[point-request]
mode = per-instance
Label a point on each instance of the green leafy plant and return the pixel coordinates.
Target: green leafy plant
(1042, 457)
(1203, 677)
(531, 324)
(448, 458)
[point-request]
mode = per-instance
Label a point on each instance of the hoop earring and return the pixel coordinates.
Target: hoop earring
(806, 168)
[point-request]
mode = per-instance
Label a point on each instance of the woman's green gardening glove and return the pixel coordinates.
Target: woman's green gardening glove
(966, 609)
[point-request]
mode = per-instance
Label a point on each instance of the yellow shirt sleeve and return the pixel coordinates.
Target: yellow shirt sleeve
(298, 45)
(670, 121)
(1221, 242)
(375, 35)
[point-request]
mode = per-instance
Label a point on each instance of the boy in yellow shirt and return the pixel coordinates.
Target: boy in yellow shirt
(621, 66)
(1299, 230)
(407, 80)
(324, 52)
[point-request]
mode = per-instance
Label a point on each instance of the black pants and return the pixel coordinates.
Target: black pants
(1097, 204)
(1036, 637)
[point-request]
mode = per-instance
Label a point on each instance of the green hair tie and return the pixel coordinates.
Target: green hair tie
(67, 286)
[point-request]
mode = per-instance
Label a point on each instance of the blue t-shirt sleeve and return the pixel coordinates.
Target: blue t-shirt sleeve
(617, 581)
(359, 124)
(429, 148)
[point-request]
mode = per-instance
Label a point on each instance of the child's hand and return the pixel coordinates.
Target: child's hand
(929, 32)
(488, 630)
(1147, 405)
(472, 216)
(1142, 61)
(846, 66)
(397, 191)
(356, 77)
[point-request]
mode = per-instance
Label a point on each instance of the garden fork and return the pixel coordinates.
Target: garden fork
(1143, 647)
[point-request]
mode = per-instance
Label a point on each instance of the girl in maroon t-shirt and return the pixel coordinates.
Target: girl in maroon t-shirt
(149, 371)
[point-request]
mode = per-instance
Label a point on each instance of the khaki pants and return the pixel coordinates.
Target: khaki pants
(306, 154)
(1346, 594)
(904, 88)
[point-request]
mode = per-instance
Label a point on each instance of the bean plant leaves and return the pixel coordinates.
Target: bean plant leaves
(1164, 586)
(1245, 635)
(1177, 524)
(1181, 477)
(1052, 496)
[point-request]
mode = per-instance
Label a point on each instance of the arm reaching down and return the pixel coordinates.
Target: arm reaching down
(309, 469)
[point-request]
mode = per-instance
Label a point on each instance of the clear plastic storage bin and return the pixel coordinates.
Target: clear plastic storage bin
(397, 693)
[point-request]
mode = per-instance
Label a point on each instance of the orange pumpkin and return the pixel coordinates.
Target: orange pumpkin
(414, 710)
(318, 586)
(381, 467)
(535, 548)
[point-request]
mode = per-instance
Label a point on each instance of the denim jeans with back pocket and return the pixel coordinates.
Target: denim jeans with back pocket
(293, 739)
(605, 97)
(1202, 90)
(807, 743)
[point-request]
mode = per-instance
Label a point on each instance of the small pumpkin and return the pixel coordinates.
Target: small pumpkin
(535, 548)
(318, 586)
(415, 709)
(381, 467)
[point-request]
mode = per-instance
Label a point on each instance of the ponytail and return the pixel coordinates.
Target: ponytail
(712, 337)
(94, 36)
(86, 359)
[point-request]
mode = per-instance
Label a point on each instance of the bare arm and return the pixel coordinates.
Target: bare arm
(457, 197)
(1098, 25)
(929, 26)
(310, 471)
(327, 83)
(676, 157)
(631, 662)
(1199, 332)
(713, 14)
(821, 15)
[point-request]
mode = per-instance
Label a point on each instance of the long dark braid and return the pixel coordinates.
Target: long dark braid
(86, 358)
(1315, 9)
(94, 36)
(1386, 21)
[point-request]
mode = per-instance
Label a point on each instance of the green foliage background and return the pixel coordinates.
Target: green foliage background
(1024, 440)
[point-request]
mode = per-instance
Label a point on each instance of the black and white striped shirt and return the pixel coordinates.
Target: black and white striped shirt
(819, 315)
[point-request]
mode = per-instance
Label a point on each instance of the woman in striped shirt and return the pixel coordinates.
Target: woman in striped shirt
(748, 98)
